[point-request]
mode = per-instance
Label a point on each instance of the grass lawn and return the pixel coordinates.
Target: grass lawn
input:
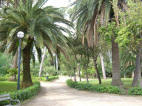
(7, 86)
(126, 82)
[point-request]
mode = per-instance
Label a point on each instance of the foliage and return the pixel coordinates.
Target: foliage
(35, 69)
(26, 93)
(96, 88)
(41, 26)
(135, 91)
(130, 27)
(11, 87)
(3, 78)
(87, 13)
(5, 62)
(108, 31)
(127, 62)
(26, 18)
(50, 70)
(50, 78)
(90, 71)
(12, 71)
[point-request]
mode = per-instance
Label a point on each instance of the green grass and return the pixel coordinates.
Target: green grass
(7, 86)
(126, 82)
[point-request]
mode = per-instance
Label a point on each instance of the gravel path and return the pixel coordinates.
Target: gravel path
(58, 94)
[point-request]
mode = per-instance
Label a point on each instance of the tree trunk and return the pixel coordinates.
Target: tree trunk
(103, 66)
(79, 73)
(41, 64)
(116, 78)
(27, 81)
(97, 71)
(137, 72)
(16, 3)
(15, 59)
(87, 79)
(56, 62)
(132, 74)
(74, 75)
(58, 58)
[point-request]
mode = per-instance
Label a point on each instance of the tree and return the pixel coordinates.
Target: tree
(88, 22)
(103, 66)
(39, 25)
(41, 64)
(130, 34)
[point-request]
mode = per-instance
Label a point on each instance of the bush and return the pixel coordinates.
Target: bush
(3, 78)
(50, 78)
(4, 59)
(23, 94)
(91, 87)
(26, 93)
(50, 70)
(135, 91)
(12, 71)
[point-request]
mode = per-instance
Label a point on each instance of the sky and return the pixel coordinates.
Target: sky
(59, 3)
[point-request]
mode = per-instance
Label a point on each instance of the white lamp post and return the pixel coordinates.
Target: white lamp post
(20, 35)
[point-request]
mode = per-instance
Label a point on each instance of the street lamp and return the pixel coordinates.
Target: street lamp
(20, 35)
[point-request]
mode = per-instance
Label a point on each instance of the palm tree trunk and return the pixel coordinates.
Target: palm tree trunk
(16, 2)
(103, 66)
(75, 74)
(96, 68)
(15, 58)
(86, 72)
(116, 78)
(137, 72)
(79, 73)
(41, 65)
(27, 81)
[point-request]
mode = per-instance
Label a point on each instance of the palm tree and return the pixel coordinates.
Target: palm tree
(89, 15)
(40, 25)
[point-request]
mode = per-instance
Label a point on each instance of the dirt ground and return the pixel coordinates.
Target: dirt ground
(57, 93)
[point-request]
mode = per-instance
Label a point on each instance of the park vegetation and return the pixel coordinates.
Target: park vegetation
(98, 39)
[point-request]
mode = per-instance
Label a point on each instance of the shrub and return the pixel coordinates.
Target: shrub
(135, 91)
(12, 71)
(12, 74)
(71, 84)
(23, 94)
(91, 87)
(50, 78)
(50, 70)
(26, 93)
(3, 78)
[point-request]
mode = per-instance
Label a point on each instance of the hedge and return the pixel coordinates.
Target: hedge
(3, 78)
(50, 78)
(91, 87)
(23, 94)
(135, 91)
(26, 93)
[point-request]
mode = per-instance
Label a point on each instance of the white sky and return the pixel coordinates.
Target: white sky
(59, 3)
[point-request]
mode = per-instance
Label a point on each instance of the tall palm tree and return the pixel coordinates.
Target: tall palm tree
(41, 27)
(89, 15)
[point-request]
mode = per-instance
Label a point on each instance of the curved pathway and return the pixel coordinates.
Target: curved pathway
(58, 94)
